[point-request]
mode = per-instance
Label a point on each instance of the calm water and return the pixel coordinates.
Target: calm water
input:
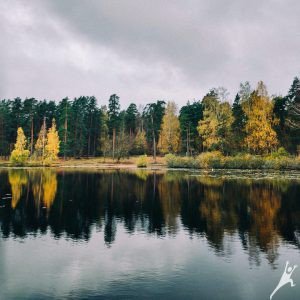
(141, 234)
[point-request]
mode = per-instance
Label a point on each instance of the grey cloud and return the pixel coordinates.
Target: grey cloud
(145, 50)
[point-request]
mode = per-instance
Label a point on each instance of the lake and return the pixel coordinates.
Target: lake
(138, 234)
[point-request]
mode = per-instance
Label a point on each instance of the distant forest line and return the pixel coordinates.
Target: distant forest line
(255, 123)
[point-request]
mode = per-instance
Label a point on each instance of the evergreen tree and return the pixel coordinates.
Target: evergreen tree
(113, 119)
(16, 118)
(78, 126)
(293, 114)
(28, 120)
(5, 125)
(225, 120)
(282, 129)
(238, 124)
(64, 113)
(113, 113)
(153, 114)
(104, 141)
(130, 119)
(189, 116)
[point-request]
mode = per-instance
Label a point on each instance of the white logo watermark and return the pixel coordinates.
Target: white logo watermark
(285, 278)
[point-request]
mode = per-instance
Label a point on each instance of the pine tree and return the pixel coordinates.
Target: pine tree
(5, 125)
(91, 121)
(64, 112)
(293, 114)
(52, 145)
(169, 139)
(225, 120)
(104, 141)
(238, 124)
(153, 114)
(20, 154)
(28, 117)
(281, 114)
(78, 126)
(113, 119)
(189, 116)
(130, 119)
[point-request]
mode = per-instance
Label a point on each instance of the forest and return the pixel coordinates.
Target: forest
(253, 122)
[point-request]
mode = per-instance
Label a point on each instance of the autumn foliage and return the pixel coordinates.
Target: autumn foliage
(254, 123)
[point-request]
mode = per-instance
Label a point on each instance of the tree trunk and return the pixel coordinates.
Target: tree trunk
(89, 139)
(154, 140)
(114, 140)
(65, 133)
(31, 144)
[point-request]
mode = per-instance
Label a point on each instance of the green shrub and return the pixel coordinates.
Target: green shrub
(142, 161)
(216, 160)
(174, 161)
(280, 153)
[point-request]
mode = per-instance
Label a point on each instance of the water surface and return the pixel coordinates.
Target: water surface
(147, 234)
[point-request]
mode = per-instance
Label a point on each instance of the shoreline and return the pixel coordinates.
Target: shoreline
(162, 163)
(158, 167)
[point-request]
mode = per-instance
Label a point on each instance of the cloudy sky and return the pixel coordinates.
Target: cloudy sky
(146, 50)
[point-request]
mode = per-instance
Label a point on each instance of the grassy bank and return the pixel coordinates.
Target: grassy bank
(133, 161)
(215, 160)
(208, 160)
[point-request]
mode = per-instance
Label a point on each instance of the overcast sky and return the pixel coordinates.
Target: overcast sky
(146, 50)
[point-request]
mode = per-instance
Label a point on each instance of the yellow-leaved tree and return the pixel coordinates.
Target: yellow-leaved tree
(140, 143)
(208, 126)
(215, 127)
(52, 144)
(20, 154)
(41, 143)
(260, 136)
(169, 139)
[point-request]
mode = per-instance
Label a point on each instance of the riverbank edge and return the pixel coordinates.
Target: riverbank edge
(206, 162)
(121, 166)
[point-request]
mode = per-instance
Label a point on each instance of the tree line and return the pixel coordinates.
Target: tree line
(255, 123)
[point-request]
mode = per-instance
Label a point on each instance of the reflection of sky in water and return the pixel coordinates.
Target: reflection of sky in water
(139, 235)
(136, 264)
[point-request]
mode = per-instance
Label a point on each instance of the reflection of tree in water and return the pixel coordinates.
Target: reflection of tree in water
(264, 205)
(18, 180)
(250, 209)
(170, 201)
(259, 213)
(211, 213)
(44, 187)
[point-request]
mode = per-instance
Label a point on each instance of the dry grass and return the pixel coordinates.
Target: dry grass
(108, 162)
